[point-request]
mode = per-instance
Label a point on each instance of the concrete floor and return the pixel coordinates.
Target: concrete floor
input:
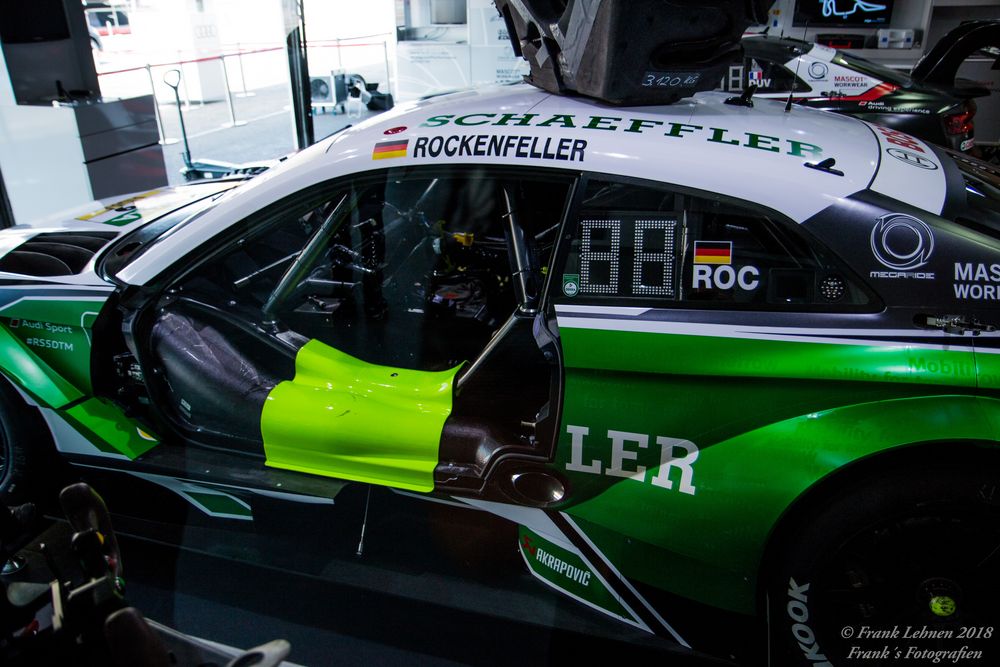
(220, 587)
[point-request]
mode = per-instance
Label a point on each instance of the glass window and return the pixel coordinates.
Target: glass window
(136, 243)
(881, 72)
(667, 247)
(101, 18)
(415, 270)
(770, 77)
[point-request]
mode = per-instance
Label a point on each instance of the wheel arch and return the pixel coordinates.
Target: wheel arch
(709, 546)
(43, 452)
(11, 389)
(863, 470)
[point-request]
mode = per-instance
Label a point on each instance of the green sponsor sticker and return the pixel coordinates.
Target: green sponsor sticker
(126, 218)
(52, 341)
(568, 572)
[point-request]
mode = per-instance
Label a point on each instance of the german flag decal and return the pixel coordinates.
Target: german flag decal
(387, 149)
(713, 252)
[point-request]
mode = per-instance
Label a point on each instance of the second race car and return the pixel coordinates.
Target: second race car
(928, 103)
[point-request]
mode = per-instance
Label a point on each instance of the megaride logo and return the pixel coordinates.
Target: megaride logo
(901, 242)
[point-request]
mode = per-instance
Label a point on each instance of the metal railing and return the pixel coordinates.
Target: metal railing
(238, 53)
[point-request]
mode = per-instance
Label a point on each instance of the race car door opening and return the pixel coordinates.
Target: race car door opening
(365, 301)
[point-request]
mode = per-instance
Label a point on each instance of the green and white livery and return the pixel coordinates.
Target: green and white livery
(715, 361)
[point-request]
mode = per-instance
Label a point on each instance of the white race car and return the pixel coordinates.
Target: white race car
(705, 356)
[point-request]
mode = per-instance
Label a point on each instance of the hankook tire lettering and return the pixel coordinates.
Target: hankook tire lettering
(798, 611)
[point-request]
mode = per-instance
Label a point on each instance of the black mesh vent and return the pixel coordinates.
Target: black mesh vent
(55, 254)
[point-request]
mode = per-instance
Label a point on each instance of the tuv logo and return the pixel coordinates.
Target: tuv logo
(756, 78)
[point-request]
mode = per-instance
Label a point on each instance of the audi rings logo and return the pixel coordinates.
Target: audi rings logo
(818, 70)
(902, 242)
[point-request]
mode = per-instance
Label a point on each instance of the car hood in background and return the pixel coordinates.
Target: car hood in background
(64, 248)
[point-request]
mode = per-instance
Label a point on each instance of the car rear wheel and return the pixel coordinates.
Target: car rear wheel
(20, 449)
(892, 567)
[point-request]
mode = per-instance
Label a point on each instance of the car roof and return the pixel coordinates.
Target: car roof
(753, 153)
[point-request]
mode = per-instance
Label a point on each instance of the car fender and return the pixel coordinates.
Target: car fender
(708, 546)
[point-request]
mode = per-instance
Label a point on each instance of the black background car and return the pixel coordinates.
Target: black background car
(929, 103)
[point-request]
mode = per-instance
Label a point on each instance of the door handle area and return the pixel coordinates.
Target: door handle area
(954, 324)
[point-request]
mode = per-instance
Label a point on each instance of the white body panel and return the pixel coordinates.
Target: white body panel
(757, 154)
(909, 171)
(828, 78)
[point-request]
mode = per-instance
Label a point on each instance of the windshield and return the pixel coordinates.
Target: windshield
(882, 72)
(134, 244)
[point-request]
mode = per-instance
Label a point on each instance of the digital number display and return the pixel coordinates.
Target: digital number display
(600, 251)
(628, 256)
(653, 266)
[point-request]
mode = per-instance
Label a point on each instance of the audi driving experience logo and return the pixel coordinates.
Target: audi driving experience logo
(902, 242)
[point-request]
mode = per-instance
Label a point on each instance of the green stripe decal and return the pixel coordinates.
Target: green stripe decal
(743, 357)
(343, 417)
(988, 365)
(45, 344)
(34, 375)
(108, 428)
(218, 504)
(567, 572)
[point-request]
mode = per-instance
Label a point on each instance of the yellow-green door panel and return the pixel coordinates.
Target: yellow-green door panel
(343, 417)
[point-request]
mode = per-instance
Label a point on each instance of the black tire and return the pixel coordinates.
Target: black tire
(917, 547)
(22, 446)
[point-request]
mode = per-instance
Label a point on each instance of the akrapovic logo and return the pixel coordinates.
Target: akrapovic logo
(902, 243)
(556, 564)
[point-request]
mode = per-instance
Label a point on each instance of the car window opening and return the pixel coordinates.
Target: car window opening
(403, 273)
(662, 247)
